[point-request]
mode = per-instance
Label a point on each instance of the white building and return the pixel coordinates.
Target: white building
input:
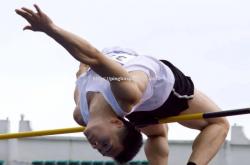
(57, 148)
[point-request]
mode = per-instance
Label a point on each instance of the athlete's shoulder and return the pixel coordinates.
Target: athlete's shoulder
(120, 55)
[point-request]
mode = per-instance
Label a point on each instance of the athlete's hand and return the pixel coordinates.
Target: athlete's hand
(38, 20)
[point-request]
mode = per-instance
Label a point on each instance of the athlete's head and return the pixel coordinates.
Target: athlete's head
(116, 138)
(131, 139)
(111, 135)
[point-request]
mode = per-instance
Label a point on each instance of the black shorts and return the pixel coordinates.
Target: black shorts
(182, 92)
(177, 101)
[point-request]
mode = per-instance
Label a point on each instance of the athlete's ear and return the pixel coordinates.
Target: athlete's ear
(117, 122)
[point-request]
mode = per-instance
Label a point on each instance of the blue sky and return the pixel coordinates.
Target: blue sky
(208, 40)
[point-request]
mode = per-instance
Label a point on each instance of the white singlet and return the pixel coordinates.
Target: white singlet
(161, 82)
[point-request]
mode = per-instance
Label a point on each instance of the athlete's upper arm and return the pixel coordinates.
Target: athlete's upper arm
(140, 78)
(76, 95)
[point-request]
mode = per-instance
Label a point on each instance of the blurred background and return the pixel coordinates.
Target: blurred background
(208, 40)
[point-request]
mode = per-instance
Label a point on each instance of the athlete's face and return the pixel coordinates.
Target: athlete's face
(105, 139)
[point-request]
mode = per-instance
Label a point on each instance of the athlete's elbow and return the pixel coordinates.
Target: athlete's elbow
(129, 103)
(137, 98)
(134, 98)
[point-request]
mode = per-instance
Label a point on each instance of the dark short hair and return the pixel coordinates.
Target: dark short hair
(131, 141)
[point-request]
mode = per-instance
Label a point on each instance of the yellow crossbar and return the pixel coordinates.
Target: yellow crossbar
(41, 133)
(81, 129)
(179, 118)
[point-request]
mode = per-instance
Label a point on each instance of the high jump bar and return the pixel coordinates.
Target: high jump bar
(187, 117)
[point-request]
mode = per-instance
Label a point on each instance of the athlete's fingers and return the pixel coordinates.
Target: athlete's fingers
(24, 14)
(28, 11)
(38, 9)
(28, 27)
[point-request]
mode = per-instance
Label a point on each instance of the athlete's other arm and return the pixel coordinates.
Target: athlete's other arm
(80, 49)
(156, 146)
(77, 114)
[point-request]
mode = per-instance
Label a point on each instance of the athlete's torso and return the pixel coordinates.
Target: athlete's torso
(161, 81)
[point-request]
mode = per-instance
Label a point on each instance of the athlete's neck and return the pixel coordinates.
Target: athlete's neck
(99, 109)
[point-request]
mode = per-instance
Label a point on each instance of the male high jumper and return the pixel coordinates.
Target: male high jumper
(123, 93)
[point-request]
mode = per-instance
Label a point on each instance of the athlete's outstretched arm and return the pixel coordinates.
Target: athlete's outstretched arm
(84, 52)
(76, 46)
